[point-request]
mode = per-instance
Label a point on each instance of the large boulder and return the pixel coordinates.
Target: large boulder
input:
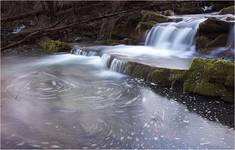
(213, 34)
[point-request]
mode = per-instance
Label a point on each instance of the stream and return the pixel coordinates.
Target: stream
(74, 101)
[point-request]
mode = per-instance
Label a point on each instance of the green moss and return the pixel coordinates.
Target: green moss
(205, 88)
(177, 75)
(222, 71)
(54, 46)
(141, 71)
(161, 77)
(210, 77)
(227, 10)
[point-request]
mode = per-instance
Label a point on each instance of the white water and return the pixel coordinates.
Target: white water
(174, 37)
(165, 43)
(72, 102)
(118, 65)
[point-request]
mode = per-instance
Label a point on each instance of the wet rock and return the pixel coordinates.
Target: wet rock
(161, 77)
(214, 25)
(207, 45)
(219, 41)
(211, 35)
(201, 42)
(227, 10)
(141, 71)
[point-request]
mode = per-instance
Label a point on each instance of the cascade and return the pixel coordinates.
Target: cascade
(118, 65)
(78, 51)
(105, 58)
(174, 36)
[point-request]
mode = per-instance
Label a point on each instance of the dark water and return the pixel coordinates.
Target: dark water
(68, 101)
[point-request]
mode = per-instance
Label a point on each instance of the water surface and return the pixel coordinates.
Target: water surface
(69, 101)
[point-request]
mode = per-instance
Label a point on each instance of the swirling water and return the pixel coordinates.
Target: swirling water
(69, 101)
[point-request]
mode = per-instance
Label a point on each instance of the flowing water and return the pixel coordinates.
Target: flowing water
(72, 101)
(80, 101)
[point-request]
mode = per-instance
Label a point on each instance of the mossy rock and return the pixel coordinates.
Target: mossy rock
(52, 46)
(205, 88)
(210, 77)
(141, 71)
(161, 77)
(177, 75)
(129, 67)
(227, 10)
(221, 71)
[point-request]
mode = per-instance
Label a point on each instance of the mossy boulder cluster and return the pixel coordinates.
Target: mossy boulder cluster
(209, 77)
(53, 46)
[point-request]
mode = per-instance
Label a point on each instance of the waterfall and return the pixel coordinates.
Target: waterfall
(106, 58)
(175, 36)
(118, 65)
